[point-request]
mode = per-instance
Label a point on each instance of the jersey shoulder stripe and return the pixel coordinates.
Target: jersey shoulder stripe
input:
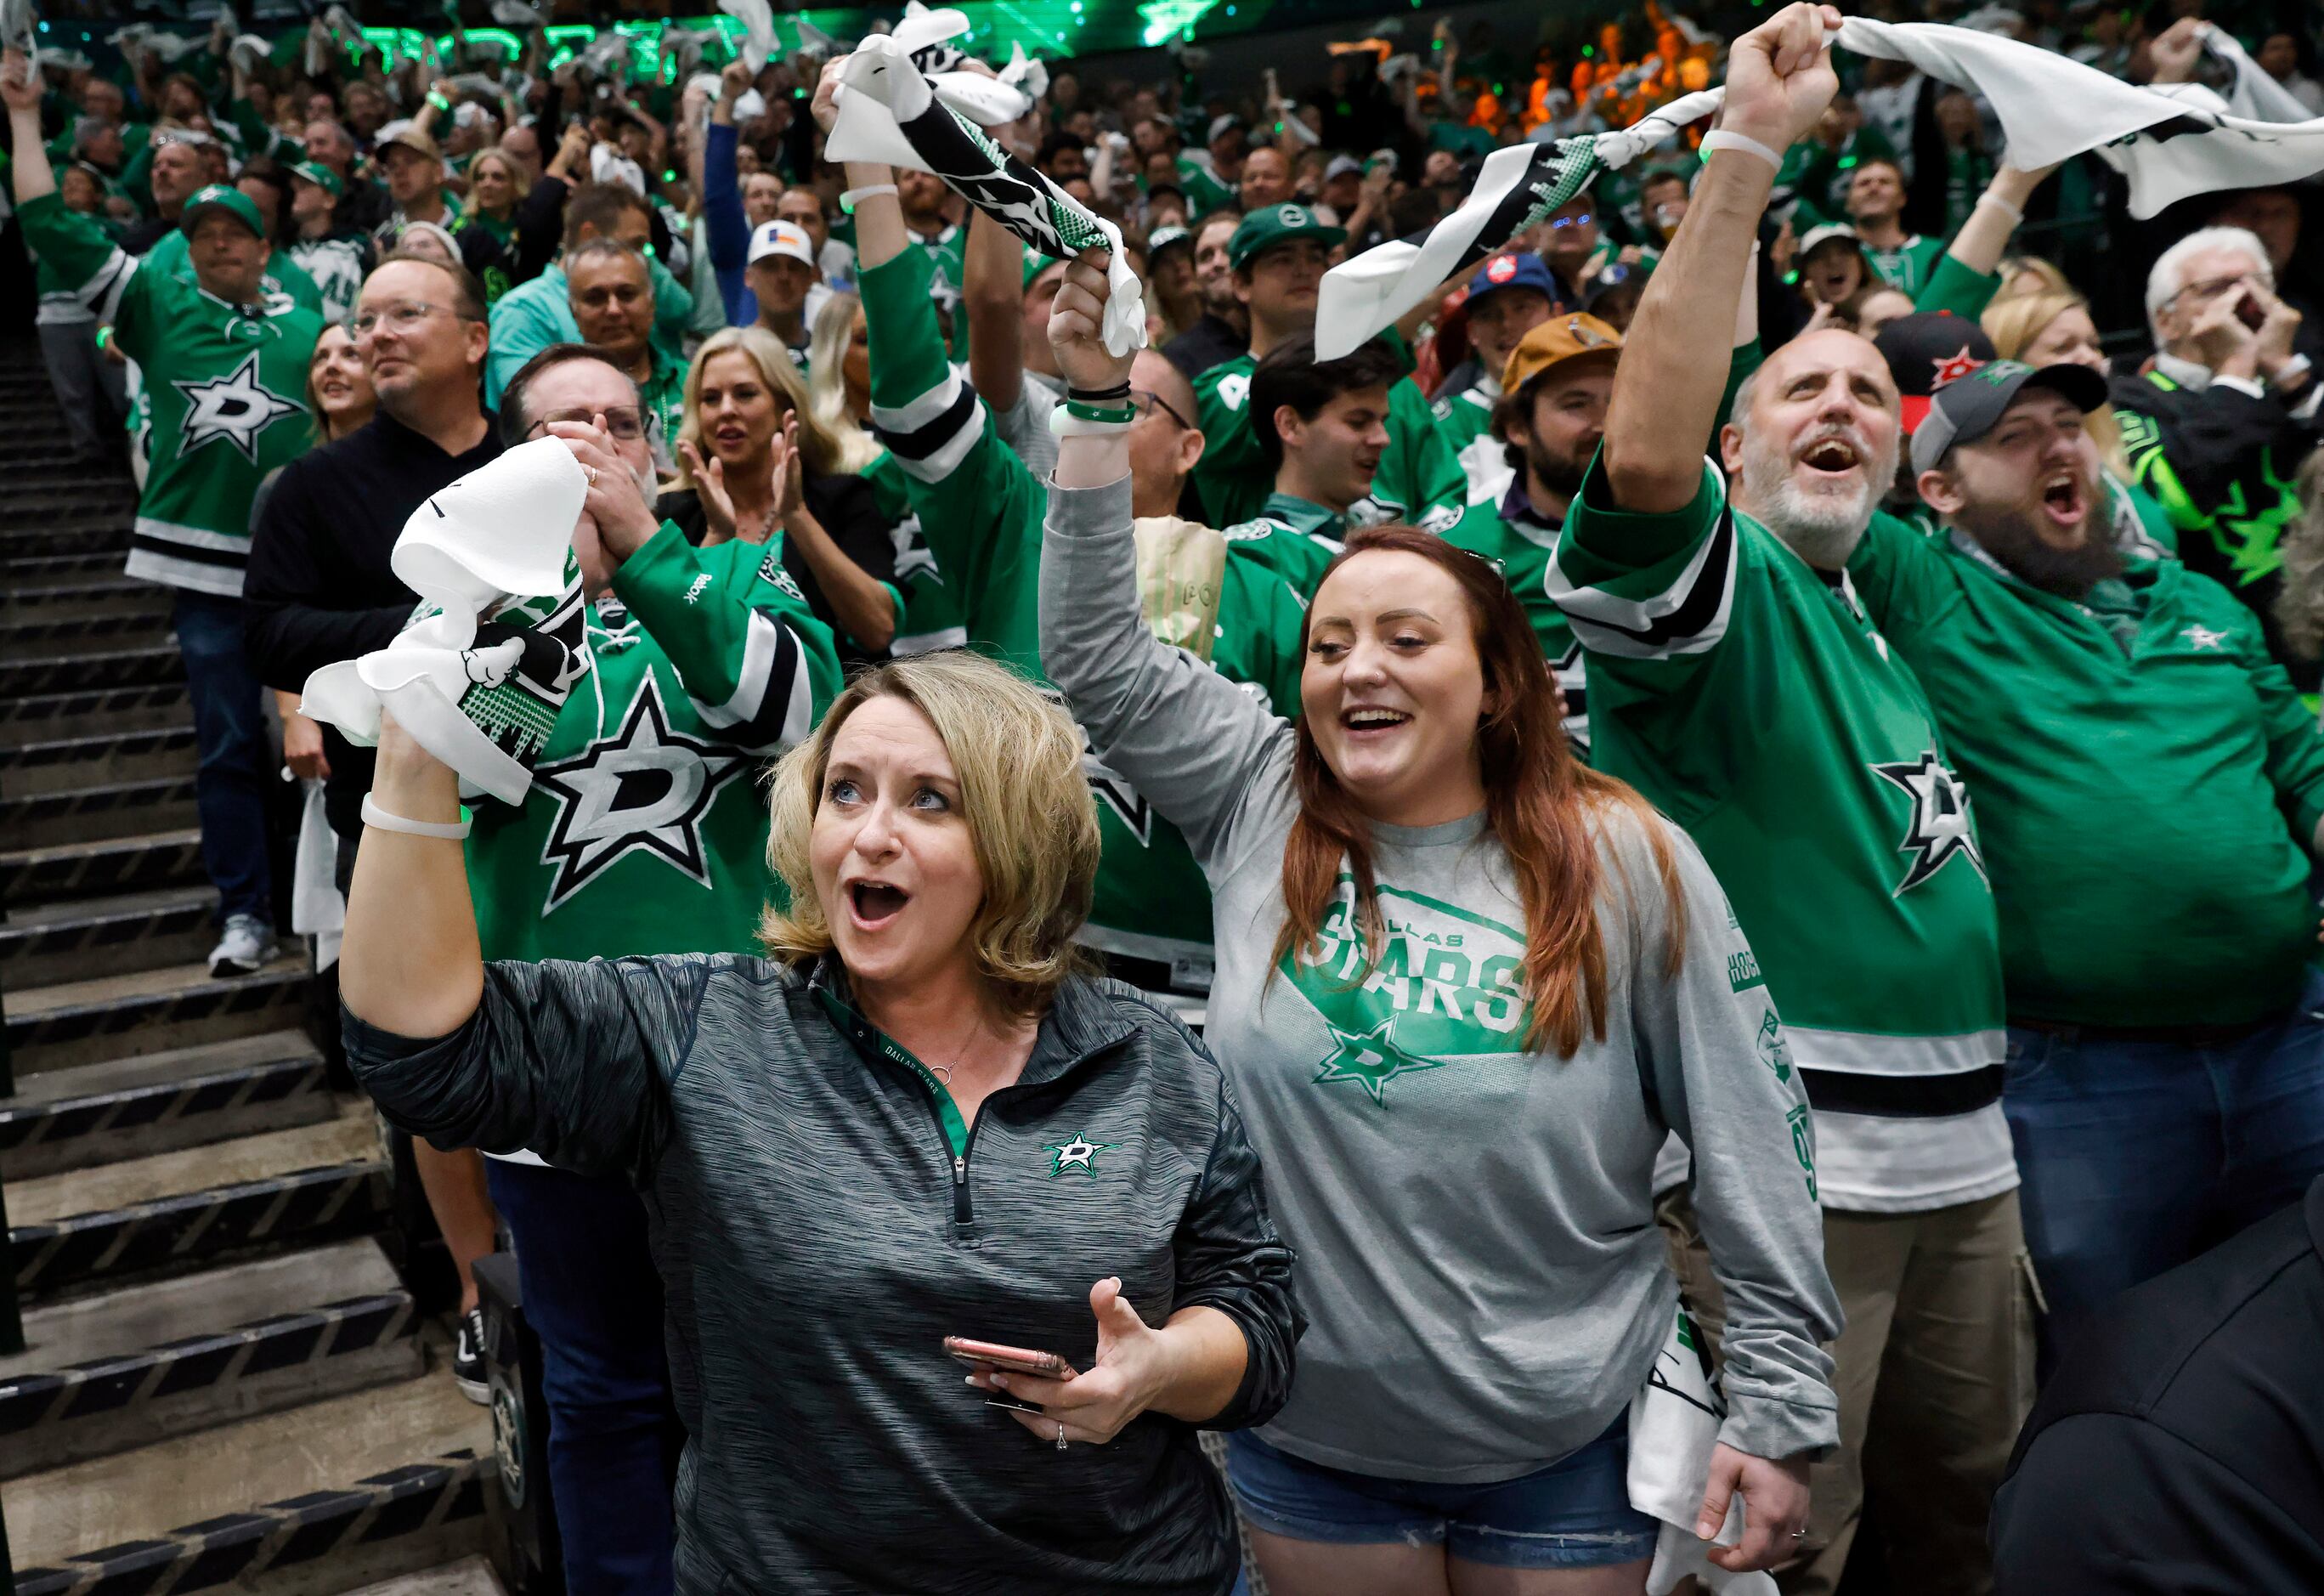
(1689, 616)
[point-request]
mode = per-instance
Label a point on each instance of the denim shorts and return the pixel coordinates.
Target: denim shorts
(1576, 1513)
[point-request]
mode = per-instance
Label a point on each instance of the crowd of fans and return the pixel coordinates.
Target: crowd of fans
(1964, 680)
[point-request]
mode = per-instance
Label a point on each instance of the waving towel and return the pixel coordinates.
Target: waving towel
(890, 114)
(1675, 1422)
(479, 675)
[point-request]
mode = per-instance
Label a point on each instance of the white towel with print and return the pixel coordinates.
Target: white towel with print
(1675, 1423)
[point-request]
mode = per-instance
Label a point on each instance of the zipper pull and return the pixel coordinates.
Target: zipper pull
(960, 1169)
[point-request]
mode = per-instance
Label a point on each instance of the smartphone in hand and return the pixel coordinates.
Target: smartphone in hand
(991, 1357)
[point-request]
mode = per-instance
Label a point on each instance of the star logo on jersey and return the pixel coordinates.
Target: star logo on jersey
(644, 789)
(1952, 368)
(1939, 828)
(2203, 637)
(1079, 1154)
(1370, 1058)
(236, 407)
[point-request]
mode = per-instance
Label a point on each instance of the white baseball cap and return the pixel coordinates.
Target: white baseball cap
(781, 238)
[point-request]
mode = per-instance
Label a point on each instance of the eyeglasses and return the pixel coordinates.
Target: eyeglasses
(1144, 404)
(1583, 220)
(626, 423)
(399, 319)
(2211, 288)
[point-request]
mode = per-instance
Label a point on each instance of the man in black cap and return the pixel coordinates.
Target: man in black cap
(1924, 351)
(2149, 795)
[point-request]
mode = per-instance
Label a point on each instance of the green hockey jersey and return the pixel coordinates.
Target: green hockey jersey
(645, 831)
(1908, 267)
(227, 385)
(1466, 418)
(1522, 544)
(1755, 703)
(981, 511)
(1418, 480)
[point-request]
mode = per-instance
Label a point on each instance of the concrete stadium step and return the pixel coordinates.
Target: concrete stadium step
(115, 809)
(94, 869)
(134, 1108)
(42, 717)
(59, 519)
(91, 758)
(471, 1576)
(405, 1470)
(32, 634)
(175, 1213)
(72, 587)
(87, 564)
(91, 669)
(127, 1368)
(55, 943)
(146, 1011)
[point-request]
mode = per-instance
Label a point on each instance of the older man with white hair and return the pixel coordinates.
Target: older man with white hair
(2216, 429)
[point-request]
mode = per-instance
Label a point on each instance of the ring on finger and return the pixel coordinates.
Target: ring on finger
(592, 470)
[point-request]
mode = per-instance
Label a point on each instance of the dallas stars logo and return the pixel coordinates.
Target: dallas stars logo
(236, 407)
(1774, 1051)
(1370, 1058)
(1080, 1155)
(645, 789)
(1952, 368)
(1938, 828)
(2203, 637)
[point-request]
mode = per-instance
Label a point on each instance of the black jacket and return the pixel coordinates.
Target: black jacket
(1212, 341)
(319, 589)
(822, 1222)
(2179, 1450)
(848, 508)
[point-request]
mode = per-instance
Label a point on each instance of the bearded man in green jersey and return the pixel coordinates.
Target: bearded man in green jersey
(1736, 679)
(2166, 1062)
(1278, 255)
(224, 370)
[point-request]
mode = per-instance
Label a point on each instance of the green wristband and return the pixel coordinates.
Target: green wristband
(1114, 415)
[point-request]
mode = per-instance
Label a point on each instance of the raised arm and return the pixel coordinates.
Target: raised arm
(1667, 396)
(992, 294)
(1182, 733)
(1965, 281)
(30, 170)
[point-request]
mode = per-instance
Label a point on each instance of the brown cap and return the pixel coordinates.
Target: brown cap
(1561, 338)
(410, 137)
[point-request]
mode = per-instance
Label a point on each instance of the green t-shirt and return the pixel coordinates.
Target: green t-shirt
(1418, 480)
(226, 386)
(645, 831)
(2147, 780)
(1755, 703)
(1907, 267)
(981, 513)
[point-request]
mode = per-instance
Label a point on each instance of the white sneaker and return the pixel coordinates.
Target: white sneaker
(245, 948)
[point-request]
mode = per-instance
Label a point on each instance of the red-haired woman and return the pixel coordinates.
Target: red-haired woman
(1465, 986)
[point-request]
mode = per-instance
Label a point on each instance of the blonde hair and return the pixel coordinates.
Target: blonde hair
(820, 450)
(2015, 322)
(826, 381)
(1030, 818)
(2013, 267)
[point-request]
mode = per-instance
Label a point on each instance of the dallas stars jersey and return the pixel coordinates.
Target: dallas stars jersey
(339, 265)
(1412, 1139)
(1465, 419)
(227, 385)
(980, 512)
(1758, 707)
(947, 252)
(1293, 538)
(2135, 759)
(284, 277)
(644, 831)
(1522, 544)
(1418, 480)
(1908, 267)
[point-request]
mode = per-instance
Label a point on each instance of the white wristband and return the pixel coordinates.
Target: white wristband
(2016, 216)
(847, 201)
(1718, 138)
(373, 815)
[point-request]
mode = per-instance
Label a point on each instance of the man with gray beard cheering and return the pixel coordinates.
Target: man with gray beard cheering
(2166, 1062)
(1736, 679)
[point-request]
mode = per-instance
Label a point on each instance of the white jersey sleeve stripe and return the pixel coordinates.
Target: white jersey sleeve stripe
(769, 709)
(1688, 617)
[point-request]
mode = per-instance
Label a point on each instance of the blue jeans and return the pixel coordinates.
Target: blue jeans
(592, 1296)
(230, 735)
(2138, 1156)
(1576, 1513)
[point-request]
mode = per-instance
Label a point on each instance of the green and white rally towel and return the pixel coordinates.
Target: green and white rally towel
(494, 647)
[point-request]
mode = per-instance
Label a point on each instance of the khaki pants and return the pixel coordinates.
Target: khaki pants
(1935, 1371)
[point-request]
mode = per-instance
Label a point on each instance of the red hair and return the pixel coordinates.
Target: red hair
(1542, 804)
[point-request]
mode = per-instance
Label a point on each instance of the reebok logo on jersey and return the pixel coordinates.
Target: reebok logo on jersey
(1447, 986)
(697, 587)
(1938, 827)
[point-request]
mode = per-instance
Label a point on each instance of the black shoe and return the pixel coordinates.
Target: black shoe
(469, 1357)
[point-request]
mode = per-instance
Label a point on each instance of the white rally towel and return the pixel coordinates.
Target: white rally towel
(1675, 1423)
(1517, 188)
(495, 546)
(2253, 93)
(757, 20)
(889, 114)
